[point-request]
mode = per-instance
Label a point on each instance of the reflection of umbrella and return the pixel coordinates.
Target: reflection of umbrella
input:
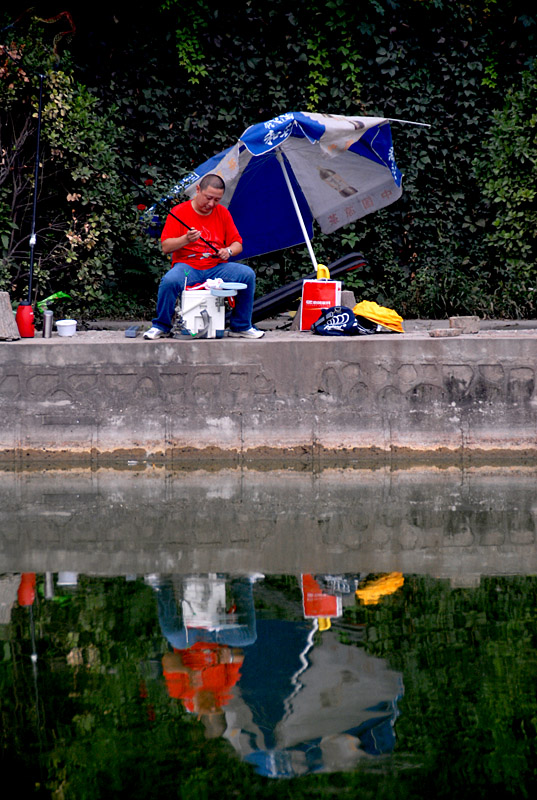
(301, 707)
(284, 173)
(343, 688)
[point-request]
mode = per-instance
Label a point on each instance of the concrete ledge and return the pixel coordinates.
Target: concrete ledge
(450, 523)
(99, 394)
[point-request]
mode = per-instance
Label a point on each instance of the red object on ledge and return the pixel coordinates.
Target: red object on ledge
(26, 590)
(25, 320)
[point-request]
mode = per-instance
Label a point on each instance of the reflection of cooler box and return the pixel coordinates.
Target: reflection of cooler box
(192, 304)
(317, 603)
(317, 295)
(204, 603)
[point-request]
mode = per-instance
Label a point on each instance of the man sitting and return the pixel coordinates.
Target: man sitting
(194, 262)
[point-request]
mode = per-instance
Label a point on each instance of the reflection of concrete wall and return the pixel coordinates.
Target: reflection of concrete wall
(8, 596)
(443, 522)
(287, 391)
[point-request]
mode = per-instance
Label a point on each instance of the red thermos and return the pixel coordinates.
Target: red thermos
(26, 591)
(25, 320)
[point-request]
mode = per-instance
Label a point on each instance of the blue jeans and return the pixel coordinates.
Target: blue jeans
(180, 637)
(173, 283)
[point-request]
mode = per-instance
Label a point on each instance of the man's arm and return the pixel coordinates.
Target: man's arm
(225, 254)
(177, 242)
(173, 662)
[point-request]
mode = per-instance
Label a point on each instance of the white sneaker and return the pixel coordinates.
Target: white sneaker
(250, 333)
(155, 333)
(153, 580)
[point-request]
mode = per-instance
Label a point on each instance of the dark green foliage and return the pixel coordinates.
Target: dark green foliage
(469, 661)
(101, 725)
(168, 87)
(508, 175)
(84, 217)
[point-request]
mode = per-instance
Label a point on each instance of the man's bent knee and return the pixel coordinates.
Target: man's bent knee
(173, 279)
(244, 271)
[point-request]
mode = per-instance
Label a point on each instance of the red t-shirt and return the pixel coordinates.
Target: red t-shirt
(218, 678)
(217, 228)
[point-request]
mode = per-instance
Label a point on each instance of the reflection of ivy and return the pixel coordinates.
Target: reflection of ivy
(469, 667)
(467, 726)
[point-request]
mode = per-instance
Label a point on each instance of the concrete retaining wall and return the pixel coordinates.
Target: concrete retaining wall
(450, 523)
(100, 393)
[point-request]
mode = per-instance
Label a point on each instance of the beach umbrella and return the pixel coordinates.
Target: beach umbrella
(284, 173)
(305, 706)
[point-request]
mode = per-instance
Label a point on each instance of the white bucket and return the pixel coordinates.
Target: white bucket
(67, 578)
(66, 327)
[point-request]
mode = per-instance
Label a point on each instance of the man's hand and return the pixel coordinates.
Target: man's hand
(192, 235)
(224, 254)
(177, 242)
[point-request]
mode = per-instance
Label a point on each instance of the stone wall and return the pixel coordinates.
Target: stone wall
(449, 523)
(160, 399)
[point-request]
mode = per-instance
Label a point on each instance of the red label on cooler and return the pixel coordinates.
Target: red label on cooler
(317, 603)
(317, 295)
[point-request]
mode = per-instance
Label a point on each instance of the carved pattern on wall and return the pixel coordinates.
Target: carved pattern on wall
(170, 385)
(414, 385)
(388, 400)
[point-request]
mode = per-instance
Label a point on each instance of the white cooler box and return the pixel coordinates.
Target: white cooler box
(194, 302)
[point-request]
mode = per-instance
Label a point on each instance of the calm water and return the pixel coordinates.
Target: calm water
(349, 633)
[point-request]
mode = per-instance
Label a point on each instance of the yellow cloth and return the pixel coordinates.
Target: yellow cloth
(387, 584)
(379, 314)
(325, 623)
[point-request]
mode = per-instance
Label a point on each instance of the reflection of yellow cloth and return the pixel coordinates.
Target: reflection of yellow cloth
(387, 584)
(379, 314)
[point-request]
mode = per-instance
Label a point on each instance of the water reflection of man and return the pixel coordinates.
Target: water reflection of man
(202, 677)
(207, 621)
(205, 608)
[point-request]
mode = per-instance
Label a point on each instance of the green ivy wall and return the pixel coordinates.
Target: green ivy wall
(173, 84)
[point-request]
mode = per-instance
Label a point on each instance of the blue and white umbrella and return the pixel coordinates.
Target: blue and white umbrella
(284, 173)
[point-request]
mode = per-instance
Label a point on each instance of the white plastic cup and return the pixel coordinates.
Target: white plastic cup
(67, 579)
(66, 327)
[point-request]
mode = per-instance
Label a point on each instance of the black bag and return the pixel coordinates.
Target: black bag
(341, 321)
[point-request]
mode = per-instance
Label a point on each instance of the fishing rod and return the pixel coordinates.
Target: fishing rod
(160, 203)
(41, 76)
(36, 177)
(25, 314)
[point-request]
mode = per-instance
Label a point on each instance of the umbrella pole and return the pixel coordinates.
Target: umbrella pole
(297, 209)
